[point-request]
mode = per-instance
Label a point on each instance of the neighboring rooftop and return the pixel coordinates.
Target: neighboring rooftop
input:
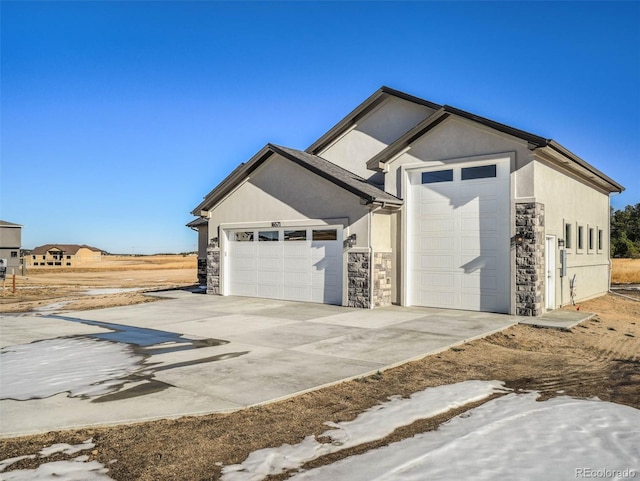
(70, 249)
(4, 223)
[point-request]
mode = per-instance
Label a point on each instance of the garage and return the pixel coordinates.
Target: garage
(291, 263)
(458, 256)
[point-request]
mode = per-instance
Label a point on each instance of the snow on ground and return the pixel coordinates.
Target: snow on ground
(80, 366)
(373, 424)
(76, 470)
(110, 290)
(512, 437)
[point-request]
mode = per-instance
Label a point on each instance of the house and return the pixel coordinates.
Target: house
(10, 244)
(63, 255)
(408, 202)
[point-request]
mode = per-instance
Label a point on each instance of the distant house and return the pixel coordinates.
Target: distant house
(10, 242)
(408, 202)
(63, 255)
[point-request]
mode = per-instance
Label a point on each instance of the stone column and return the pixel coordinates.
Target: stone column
(530, 259)
(358, 279)
(382, 279)
(213, 267)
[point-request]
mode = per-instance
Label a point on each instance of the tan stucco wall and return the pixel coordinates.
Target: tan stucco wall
(378, 129)
(456, 139)
(569, 199)
(281, 191)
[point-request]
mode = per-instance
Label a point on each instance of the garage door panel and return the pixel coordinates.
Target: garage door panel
(437, 224)
(459, 242)
(480, 281)
(286, 269)
(438, 279)
(477, 206)
(436, 261)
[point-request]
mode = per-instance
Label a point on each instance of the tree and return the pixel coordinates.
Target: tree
(625, 232)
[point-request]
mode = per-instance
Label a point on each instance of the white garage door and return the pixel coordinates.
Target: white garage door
(299, 264)
(459, 237)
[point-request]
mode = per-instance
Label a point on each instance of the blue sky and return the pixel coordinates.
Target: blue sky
(118, 117)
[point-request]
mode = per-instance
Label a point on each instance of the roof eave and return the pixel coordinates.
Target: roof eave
(368, 198)
(229, 182)
(361, 110)
(613, 186)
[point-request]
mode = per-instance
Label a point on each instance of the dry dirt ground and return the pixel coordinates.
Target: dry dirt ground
(598, 358)
(43, 286)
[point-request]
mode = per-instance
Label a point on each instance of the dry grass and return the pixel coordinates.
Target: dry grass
(43, 286)
(625, 271)
(124, 263)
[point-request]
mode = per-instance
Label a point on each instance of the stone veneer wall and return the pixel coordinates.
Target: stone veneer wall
(213, 267)
(358, 279)
(382, 279)
(530, 259)
(202, 272)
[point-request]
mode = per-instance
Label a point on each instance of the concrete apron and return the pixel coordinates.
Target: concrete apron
(204, 354)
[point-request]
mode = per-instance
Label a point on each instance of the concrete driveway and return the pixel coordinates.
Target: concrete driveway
(201, 354)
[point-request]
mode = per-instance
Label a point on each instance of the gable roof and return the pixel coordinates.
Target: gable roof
(363, 109)
(70, 249)
(535, 142)
(333, 173)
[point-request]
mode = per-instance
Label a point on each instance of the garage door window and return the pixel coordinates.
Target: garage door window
(437, 176)
(243, 236)
(295, 235)
(325, 235)
(267, 236)
(480, 172)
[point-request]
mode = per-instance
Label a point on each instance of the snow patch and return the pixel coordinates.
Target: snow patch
(512, 437)
(373, 424)
(79, 366)
(61, 471)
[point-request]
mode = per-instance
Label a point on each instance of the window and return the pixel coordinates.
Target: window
(437, 176)
(568, 236)
(14, 254)
(68, 263)
(295, 235)
(590, 239)
(580, 237)
(268, 236)
(246, 236)
(600, 240)
(34, 257)
(68, 257)
(325, 235)
(481, 172)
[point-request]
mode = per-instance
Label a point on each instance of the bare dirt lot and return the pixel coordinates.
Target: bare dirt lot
(598, 358)
(43, 286)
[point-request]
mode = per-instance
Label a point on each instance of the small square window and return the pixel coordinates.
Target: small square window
(600, 240)
(480, 172)
(14, 254)
(295, 235)
(245, 236)
(268, 236)
(437, 176)
(580, 237)
(325, 235)
(568, 235)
